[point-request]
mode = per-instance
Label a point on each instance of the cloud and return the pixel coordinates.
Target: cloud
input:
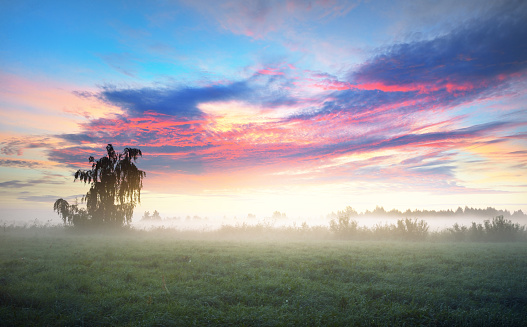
(77, 138)
(432, 139)
(75, 156)
(121, 62)
(39, 198)
(29, 183)
(257, 19)
(399, 107)
(470, 59)
(423, 18)
(18, 163)
(15, 184)
(478, 60)
(242, 126)
(16, 145)
(179, 102)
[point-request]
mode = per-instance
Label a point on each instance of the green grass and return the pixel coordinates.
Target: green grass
(56, 277)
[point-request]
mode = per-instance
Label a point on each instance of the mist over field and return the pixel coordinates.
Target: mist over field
(204, 223)
(437, 220)
(51, 276)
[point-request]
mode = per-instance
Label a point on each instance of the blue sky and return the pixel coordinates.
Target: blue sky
(254, 106)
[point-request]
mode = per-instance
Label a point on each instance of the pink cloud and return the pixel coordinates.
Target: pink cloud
(270, 71)
(327, 83)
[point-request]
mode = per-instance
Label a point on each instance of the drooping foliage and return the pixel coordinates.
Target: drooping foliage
(71, 213)
(115, 190)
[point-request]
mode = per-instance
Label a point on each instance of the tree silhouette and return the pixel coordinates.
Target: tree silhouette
(115, 190)
(156, 215)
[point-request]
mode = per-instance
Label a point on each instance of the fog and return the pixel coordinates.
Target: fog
(273, 221)
(197, 223)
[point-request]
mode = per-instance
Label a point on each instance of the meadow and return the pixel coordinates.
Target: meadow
(57, 276)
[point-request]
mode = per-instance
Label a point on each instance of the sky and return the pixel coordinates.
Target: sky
(251, 107)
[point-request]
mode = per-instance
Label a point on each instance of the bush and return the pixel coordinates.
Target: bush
(498, 229)
(458, 233)
(407, 229)
(344, 226)
(412, 229)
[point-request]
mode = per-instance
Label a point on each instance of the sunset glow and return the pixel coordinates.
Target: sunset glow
(247, 107)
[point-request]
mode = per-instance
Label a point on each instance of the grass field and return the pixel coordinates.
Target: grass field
(55, 277)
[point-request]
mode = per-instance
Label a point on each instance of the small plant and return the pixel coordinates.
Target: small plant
(165, 286)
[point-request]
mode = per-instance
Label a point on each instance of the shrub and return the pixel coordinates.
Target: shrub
(411, 229)
(458, 233)
(498, 229)
(344, 226)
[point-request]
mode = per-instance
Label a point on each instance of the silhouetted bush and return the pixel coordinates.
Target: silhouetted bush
(498, 229)
(154, 216)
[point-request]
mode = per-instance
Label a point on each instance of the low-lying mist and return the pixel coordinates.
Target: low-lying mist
(197, 223)
(340, 226)
(466, 224)
(436, 221)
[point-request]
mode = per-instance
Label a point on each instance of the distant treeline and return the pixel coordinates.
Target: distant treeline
(379, 211)
(344, 227)
(459, 212)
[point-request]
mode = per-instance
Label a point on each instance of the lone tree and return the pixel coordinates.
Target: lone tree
(115, 190)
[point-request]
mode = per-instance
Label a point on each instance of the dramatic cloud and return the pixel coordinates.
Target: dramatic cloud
(266, 96)
(179, 102)
(471, 58)
(273, 117)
